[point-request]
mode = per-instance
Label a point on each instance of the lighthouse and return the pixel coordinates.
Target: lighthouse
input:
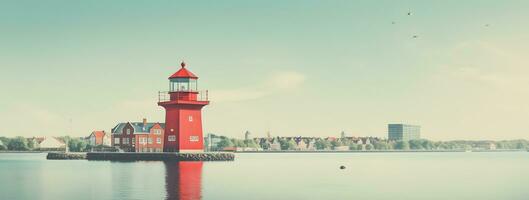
(183, 105)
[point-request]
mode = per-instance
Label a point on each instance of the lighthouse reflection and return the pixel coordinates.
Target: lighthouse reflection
(183, 180)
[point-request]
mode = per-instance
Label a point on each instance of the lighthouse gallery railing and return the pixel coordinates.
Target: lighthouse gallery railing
(164, 96)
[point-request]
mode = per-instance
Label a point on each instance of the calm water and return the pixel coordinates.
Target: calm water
(273, 176)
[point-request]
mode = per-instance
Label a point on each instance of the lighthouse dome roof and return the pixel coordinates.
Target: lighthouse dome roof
(183, 73)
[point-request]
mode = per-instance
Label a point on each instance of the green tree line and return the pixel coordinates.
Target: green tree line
(422, 144)
(29, 144)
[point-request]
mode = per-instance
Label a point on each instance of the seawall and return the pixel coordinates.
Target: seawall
(112, 156)
(65, 156)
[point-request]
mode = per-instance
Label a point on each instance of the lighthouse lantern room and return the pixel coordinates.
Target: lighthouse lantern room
(183, 112)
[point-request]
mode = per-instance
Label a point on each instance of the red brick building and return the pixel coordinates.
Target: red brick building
(138, 136)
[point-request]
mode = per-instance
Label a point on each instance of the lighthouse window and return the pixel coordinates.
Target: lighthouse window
(190, 118)
(183, 84)
(193, 138)
(171, 138)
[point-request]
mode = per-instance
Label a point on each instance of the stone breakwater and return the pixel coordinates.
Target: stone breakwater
(144, 156)
(66, 156)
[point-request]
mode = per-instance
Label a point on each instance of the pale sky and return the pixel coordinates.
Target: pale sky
(311, 68)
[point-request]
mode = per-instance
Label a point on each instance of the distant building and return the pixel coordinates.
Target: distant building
(404, 132)
(51, 144)
(247, 135)
(211, 142)
(312, 145)
(138, 136)
(485, 145)
(342, 135)
(275, 145)
(341, 148)
(97, 138)
(301, 145)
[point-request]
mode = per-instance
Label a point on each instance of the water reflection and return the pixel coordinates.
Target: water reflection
(183, 180)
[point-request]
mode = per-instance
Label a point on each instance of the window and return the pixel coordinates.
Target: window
(193, 138)
(190, 118)
(158, 140)
(142, 140)
(128, 131)
(150, 140)
(133, 140)
(125, 140)
(116, 140)
(171, 138)
(158, 131)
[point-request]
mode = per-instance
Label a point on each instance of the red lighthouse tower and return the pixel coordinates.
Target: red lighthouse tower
(183, 113)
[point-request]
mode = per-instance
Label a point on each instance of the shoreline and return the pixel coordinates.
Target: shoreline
(132, 156)
(321, 151)
(392, 151)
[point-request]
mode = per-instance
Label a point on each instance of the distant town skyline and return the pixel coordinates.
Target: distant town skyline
(315, 68)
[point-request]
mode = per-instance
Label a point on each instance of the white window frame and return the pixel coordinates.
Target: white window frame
(158, 140)
(149, 140)
(128, 131)
(190, 118)
(171, 138)
(158, 131)
(116, 140)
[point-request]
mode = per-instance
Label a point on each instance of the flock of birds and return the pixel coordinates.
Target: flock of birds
(417, 36)
(409, 14)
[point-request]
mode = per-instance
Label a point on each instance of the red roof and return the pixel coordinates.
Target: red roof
(183, 73)
(99, 134)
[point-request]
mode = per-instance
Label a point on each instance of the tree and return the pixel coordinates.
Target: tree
(18, 144)
(32, 144)
(77, 145)
(415, 144)
(4, 140)
(287, 144)
(292, 145)
(322, 144)
(238, 143)
(369, 147)
(402, 145)
(380, 145)
(266, 145)
(336, 143)
(353, 146)
(251, 143)
(224, 142)
(428, 145)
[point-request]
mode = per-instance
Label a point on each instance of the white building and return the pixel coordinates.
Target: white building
(51, 143)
